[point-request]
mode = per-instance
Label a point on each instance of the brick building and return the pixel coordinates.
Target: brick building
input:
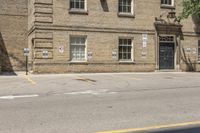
(13, 34)
(111, 36)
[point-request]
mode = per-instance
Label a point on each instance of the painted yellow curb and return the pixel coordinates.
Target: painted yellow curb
(29, 79)
(153, 127)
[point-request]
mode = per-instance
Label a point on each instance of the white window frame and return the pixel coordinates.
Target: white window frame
(78, 9)
(78, 36)
(132, 50)
(167, 5)
(132, 8)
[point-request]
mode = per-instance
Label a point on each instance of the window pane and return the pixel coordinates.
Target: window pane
(71, 4)
(129, 2)
(129, 50)
(199, 50)
(82, 40)
(125, 49)
(120, 48)
(129, 41)
(120, 56)
(82, 5)
(166, 2)
(120, 8)
(129, 55)
(125, 5)
(125, 56)
(77, 48)
(125, 41)
(77, 4)
(129, 9)
(120, 41)
(169, 2)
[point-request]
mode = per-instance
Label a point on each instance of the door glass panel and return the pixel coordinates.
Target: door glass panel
(166, 56)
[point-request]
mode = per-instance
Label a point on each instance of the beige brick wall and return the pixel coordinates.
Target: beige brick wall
(190, 53)
(54, 25)
(145, 12)
(101, 45)
(13, 33)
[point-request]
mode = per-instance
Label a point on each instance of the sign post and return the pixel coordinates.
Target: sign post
(26, 53)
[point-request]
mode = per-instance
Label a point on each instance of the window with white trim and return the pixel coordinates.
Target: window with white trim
(78, 48)
(125, 6)
(199, 50)
(125, 49)
(77, 4)
(167, 2)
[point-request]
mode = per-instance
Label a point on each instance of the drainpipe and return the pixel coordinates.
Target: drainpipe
(156, 49)
(179, 53)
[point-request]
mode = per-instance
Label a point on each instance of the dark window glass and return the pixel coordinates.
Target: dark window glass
(199, 50)
(125, 47)
(125, 6)
(166, 2)
(77, 4)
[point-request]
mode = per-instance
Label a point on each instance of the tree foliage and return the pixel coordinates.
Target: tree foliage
(190, 7)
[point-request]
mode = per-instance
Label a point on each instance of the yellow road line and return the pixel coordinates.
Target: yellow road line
(137, 78)
(29, 79)
(154, 127)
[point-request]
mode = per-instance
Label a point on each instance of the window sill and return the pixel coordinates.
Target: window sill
(167, 6)
(78, 61)
(78, 11)
(128, 15)
(126, 62)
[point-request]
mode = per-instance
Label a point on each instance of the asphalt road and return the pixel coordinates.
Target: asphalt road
(91, 103)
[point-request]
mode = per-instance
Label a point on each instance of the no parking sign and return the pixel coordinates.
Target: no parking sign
(61, 49)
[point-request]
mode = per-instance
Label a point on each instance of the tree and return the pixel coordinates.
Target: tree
(190, 7)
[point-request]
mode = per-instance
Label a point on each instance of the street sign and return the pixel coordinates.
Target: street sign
(45, 54)
(114, 54)
(61, 49)
(26, 51)
(144, 40)
(89, 54)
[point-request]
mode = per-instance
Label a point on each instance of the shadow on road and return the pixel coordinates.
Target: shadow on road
(179, 130)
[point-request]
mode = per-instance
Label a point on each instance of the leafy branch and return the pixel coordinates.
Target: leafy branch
(190, 7)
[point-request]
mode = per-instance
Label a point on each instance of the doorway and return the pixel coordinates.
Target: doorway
(166, 55)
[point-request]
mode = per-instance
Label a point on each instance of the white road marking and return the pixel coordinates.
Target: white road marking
(20, 96)
(92, 92)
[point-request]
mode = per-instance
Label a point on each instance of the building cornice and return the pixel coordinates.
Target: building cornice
(97, 29)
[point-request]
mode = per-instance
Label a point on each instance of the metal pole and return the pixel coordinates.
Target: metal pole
(26, 65)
